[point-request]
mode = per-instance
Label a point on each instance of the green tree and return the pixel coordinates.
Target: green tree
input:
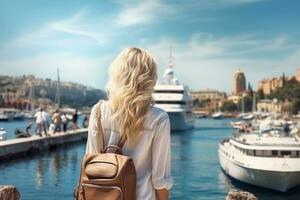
(229, 106)
(248, 103)
(260, 94)
(295, 106)
(290, 91)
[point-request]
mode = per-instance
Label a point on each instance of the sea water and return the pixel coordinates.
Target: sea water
(52, 175)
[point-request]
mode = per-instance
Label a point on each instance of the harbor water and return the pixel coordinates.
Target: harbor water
(52, 175)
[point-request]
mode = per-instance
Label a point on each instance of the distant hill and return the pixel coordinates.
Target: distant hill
(74, 95)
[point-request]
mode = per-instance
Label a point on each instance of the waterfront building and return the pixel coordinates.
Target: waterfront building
(213, 95)
(234, 98)
(271, 84)
(209, 99)
(267, 105)
(239, 82)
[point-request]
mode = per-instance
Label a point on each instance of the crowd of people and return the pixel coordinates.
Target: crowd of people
(47, 124)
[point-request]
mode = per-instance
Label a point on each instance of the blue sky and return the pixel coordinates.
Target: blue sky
(211, 39)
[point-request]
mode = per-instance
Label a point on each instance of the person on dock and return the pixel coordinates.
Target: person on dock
(85, 121)
(129, 118)
(74, 120)
(47, 120)
(40, 123)
(286, 127)
(64, 121)
(56, 121)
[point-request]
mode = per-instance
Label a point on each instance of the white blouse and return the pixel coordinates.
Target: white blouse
(151, 154)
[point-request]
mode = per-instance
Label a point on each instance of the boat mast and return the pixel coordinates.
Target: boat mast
(31, 97)
(254, 103)
(57, 94)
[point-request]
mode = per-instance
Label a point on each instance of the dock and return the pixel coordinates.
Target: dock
(22, 146)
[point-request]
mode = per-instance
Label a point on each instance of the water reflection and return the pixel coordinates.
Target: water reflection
(39, 176)
(58, 161)
(180, 158)
(52, 168)
(74, 159)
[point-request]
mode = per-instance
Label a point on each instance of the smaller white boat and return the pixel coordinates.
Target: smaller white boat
(269, 161)
(238, 125)
(18, 115)
(29, 115)
(218, 115)
(248, 117)
(7, 114)
(2, 134)
(3, 116)
(267, 156)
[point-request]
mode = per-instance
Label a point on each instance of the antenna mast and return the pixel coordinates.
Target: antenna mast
(171, 58)
(57, 95)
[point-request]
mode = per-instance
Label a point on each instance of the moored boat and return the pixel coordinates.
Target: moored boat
(3, 116)
(217, 115)
(174, 97)
(269, 160)
(7, 114)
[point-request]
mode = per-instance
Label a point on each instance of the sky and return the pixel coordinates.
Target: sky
(211, 39)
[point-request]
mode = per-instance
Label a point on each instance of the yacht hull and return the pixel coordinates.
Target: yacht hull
(179, 121)
(275, 180)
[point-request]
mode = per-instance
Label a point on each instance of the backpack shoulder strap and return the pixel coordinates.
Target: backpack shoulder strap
(99, 126)
(121, 143)
(109, 148)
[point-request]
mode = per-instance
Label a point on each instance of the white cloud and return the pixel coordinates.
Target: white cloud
(143, 12)
(208, 62)
(59, 32)
(154, 11)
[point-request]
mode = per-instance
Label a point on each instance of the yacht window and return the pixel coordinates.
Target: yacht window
(267, 153)
(259, 153)
(170, 91)
(170, 102)
(274, 153)
(250, 152)
(285, 153)
(294, 154)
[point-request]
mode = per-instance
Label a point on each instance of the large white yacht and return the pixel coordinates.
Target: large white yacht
(269, 160)
(173, 97)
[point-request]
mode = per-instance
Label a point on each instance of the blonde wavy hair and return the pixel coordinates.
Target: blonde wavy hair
(132, 77)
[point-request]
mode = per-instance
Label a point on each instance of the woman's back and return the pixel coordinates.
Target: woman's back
(151, 151)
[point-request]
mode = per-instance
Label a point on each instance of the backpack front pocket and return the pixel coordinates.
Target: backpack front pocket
(100, 192)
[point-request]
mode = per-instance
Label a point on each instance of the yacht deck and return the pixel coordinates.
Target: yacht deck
(267, 140)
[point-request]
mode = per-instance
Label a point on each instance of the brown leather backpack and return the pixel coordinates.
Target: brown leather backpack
(108, 175)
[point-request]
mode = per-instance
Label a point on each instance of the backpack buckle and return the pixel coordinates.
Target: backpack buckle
(113, 149)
